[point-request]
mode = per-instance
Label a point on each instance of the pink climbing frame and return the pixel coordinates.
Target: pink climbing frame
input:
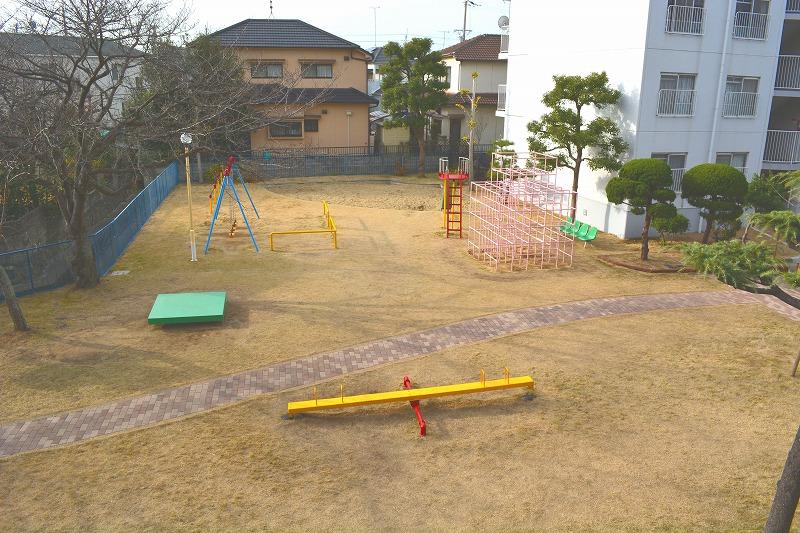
(515, 217)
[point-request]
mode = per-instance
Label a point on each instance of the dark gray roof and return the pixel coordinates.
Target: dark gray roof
(279, 33)
(296, 95)
(39, 44)
(378, 57)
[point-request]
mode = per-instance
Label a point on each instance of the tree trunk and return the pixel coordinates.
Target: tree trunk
(421, 142)
(83, 264)
(646, 235)
(575, 175)
(14, 309)
(787, 492)
(707, 232)
(796, 362)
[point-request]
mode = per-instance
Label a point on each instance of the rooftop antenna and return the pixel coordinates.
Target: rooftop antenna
(467, 4)
(375, 23)
(271, 14)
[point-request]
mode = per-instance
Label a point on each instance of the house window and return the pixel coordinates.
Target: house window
(370, 74)
(266, 70)
(677, 162)
(317, 70)
(311, 125)
(286, 129)
(115, 73)
(676, 95)
(737, 160)
(741, 97)
(685, 16)
(448, 75)
(751, 19)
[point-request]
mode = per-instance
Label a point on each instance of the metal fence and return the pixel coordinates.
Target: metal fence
(350, 161)
(49, 266)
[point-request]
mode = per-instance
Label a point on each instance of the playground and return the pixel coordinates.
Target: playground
(630, 425)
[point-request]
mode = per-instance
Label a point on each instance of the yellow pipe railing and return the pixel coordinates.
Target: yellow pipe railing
(329, 224)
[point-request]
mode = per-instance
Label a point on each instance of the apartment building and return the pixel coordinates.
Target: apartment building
(327, 104)
(702, 81)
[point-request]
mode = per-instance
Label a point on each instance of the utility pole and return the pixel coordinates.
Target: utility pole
(467, 4)
(375, 23)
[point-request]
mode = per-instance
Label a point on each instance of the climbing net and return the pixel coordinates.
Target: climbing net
(515, 217)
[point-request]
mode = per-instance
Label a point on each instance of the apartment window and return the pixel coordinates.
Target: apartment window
(685, 16)
(677, 162)
(311, 125)
(286, 129)
(741, 97)
(751, 19)
(676, 95)
(317, 70)
(737, 160)
(266, 70)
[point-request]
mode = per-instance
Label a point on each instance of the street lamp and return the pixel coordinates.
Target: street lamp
(186, 139)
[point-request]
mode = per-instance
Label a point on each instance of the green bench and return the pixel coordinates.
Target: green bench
(581, 231)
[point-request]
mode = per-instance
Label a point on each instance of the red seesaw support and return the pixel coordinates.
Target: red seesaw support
(415, 407)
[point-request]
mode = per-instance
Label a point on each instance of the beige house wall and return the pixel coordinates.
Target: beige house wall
(395, 136)
(490, 126)
(349, 66)
(335, 128)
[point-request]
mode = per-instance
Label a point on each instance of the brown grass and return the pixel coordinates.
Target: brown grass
(675, 420)
(394, 273)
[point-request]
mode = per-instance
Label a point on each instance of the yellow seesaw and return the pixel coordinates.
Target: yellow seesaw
(408, 395)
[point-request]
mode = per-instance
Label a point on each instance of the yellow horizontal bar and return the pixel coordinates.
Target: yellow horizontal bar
(299, 231)
(410, 394)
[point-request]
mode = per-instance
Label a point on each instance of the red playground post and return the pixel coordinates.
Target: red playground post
(415, 407)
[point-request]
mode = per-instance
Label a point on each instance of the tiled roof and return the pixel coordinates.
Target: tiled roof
(378, 57)
(486, 99)
(297, 95)
(484, 47)
(279, 33)
(39, 44)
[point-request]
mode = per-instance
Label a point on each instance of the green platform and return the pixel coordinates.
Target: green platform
(188, 308)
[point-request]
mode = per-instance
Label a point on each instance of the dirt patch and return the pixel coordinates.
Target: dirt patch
(656, 263)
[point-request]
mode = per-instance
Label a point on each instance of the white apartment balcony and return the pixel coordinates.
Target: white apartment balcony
(677, 179)
(501, 98)
(504, 38)
(788, 76)
(782, 147)
(749, 25)
(739, 104)
(793, 6)
(686, 20)
(676, 102)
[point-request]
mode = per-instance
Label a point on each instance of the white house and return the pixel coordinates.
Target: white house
(480, 54)
(702, 81)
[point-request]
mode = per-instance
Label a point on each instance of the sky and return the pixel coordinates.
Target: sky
(353, 19)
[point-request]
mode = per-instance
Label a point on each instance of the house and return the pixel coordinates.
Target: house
(373, 69)
(481, 54)
(326, 103)
(701, 82)
(44, 49)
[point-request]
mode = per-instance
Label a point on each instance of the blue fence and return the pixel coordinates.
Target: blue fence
(49, 266)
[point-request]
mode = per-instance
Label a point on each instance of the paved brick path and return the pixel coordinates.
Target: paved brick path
(83, 424)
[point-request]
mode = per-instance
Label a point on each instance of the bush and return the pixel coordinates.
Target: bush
(671, 226)
(767, 193)
(793, 279)
(732, 262)
(719, 191)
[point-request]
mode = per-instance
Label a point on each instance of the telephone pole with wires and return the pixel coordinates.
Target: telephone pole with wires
(467, 4)
(271, 14)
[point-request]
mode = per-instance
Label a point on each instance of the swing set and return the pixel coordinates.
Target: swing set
(225, 183)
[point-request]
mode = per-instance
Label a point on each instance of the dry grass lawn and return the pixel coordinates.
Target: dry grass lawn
(675, 420)
(394, 273)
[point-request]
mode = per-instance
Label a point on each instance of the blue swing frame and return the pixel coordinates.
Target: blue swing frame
(227, 181)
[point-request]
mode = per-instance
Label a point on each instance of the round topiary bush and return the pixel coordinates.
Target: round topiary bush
(719, 191)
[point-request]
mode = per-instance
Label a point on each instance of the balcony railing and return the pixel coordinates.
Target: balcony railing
(504, 40)
(788, 76)
(793, 6)
(676, 102)
(748, 25)
(677, 179)
(783, 146)
(739, 105)
(685, 19)
(501, 97)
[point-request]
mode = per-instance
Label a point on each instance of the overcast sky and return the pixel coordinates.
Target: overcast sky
(353, 19)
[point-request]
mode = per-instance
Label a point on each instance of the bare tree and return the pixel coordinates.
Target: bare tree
(10, 174)
(93, 84)
(787, 492)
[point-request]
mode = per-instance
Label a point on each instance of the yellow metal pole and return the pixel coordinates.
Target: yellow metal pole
(192, 242)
